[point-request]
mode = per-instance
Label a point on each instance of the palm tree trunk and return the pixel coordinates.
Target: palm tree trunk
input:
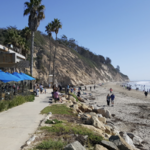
(31, 57)
(31, 53)
(54, 62)
(50, 56)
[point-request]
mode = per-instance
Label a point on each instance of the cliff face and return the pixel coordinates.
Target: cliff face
(70, 67)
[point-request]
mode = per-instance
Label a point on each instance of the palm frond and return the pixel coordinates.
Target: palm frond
(26, 4)
(41, 8)
(26, 11)
(41, 16)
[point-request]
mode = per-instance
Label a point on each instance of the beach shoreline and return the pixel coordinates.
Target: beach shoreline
(131, 110)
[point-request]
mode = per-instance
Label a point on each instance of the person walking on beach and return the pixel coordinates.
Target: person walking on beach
(78, 94)
(74, 90)
(90, 88)
(146, 93)
(110, 90)
(112, 99)
(94, 87)
(108, 99)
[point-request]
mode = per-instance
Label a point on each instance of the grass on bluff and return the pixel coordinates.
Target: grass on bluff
(57, 109)
(51, 145)
(70, 128)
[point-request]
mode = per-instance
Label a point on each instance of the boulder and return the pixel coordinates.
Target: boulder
(115, 132)
(80, 99)
(104, 112)
(99, 115)
(127, 139)
(102, 119)
(91, 107)
(82, 139)
(79, 104)
(107, 136)
(74, 146)
(64, 99)
(67, 105)
(84, 108)
(107, 114)
(131, 135)
(101, 111)
(97, 123)
(109, 123)
(120, 142)
(95, 130)
(79, 111)
(109, 145)
(70, 102)
(108, 130)
(75, 107)
(86, 118)
(93, 114)
(66, 96)
(137, 140)
(72, 99)
(99, 147)
(74, 111)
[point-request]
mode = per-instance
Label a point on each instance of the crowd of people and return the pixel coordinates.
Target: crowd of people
(129, 87)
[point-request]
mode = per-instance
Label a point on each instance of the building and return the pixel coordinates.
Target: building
(9, 58)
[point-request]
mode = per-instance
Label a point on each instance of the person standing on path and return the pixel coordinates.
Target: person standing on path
(68, 89)
(94, 87)
(108, 99)
(112, 99)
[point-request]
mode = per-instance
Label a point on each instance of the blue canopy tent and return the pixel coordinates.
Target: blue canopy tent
(4, 77)
(18, 75)
(26, 76)
(16, 78)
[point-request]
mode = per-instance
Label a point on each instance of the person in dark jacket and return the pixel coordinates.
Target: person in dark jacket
(146, 93)
(78, 93)
(108, 99)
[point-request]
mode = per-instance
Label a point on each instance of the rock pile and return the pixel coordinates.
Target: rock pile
(97, 119)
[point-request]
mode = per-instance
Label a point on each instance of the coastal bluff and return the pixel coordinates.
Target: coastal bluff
(71, 67)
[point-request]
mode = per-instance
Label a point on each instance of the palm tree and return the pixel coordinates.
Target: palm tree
(26, 33)
(56, 25)
(49, 32)
(36, 13)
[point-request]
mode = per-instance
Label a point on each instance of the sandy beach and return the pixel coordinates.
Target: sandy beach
(131, 110)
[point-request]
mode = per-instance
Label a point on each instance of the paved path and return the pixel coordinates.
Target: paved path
(19, 123)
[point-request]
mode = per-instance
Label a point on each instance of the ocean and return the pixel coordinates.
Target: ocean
(142, 85)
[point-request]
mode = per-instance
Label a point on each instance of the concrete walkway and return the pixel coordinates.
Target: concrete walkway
(19, 123)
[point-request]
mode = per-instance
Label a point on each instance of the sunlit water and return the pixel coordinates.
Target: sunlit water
(142, 85)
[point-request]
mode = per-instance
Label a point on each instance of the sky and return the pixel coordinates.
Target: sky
(118, 29)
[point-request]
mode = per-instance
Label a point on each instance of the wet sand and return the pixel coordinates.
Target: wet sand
(131, 110)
